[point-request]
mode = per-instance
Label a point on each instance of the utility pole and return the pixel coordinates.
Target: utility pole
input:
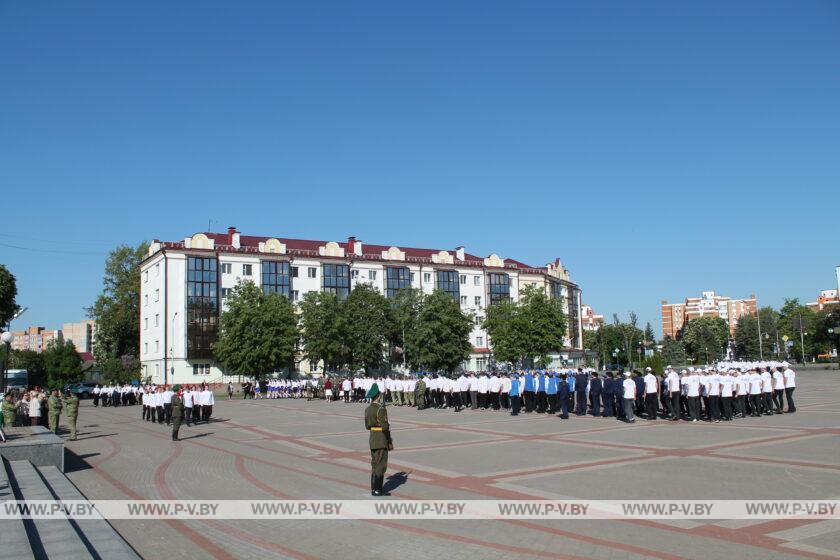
(760, 346)
(802, 337)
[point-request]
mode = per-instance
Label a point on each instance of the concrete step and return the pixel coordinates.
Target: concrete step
(101, 537)
(50, 538)
(15, 542)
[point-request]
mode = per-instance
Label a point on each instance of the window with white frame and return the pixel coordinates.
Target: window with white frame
(372, 275)
(145, 347)
(463, 300)
(478, 300)
(246, 270)
(146, 276)
(354, 274)
(312, 272)
(294, 272)
(227, 268)
(463, 279)
(157, 295)
(427, 277)
(157, 269)
(145, 323)
(476, 280)
(225, 292)
(479, 341)
(295, 295)
(157, 345)
(146, 299)
(157, 319)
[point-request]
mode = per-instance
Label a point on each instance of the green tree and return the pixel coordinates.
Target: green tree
(442, 336)
(506, 331)
(630, 336)
(604, 341)
(33, 363)
(746, 339)
(115, 371)
(673, 352)
(405, 317)
(8, 293)
(116, 311)
(367, 324)
(650, 336)
(544, 323)
(258, 332)
(62, 364)
(705, 338)
(322, 329)
(798, 323)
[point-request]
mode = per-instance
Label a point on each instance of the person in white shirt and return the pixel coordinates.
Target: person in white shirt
(495, 387)
(504, 394)
(727, 386)
(673, 383)
(346, 388)
(755, 393)
(790, 385)
(207, 401)
(482, 386)
(779, 390)
(713, 387)
(167, 405)
(692, 385)
(742, 383)
(189, 400)
(767, 391)
(34, 409)
(651, 394)
(473, 387)
(629, 396)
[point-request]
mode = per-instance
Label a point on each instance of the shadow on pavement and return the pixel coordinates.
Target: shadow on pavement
(395, 481)
(74, 462)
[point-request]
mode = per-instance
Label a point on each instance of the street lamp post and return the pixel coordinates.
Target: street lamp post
(6, 338)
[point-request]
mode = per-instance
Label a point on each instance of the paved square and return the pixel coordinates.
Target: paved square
(297, 449)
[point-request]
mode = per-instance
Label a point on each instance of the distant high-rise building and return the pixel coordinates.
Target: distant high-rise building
(34, 338)
(80, 334)
(676, 315)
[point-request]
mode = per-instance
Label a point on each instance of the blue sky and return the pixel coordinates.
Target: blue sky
(658, 148)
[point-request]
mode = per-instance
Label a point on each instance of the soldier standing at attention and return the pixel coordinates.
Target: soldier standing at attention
(376, 421)
(420, 393)
(54, 410)
(177, 411)
(71, 408)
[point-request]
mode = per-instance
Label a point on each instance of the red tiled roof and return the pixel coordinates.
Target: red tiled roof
(367, 248)
(86, 356)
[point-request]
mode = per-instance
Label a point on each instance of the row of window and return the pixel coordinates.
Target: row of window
(146, 272)
(198, 369)
(146, 321)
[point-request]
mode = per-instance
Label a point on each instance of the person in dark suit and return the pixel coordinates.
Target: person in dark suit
(595, 390)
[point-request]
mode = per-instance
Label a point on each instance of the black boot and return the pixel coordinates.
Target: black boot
(380, 481)
(372, 485)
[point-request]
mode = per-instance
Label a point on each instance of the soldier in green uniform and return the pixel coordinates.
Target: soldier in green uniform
(376, 421)
(8, 410)
(420, 394)
(71, 409)
(177, 411)
(54, 407)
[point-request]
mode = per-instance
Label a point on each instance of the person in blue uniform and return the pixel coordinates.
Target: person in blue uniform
(515, 395)
(551, 392)
(528, 392)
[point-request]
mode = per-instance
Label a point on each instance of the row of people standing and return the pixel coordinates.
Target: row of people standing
(197, 402)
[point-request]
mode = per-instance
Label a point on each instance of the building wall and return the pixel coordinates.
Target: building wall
(36, 339)
(676, 315)
(163, 302)
(81, 334)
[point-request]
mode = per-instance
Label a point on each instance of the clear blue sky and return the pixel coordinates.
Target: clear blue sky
(658, 148)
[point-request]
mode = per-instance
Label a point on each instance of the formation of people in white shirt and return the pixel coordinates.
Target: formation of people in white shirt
(722, 392)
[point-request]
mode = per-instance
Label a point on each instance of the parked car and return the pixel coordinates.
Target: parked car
(82, 390)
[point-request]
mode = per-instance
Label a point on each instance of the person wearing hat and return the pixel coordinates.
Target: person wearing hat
(54, 407)
(177, 410)
(71, 410)
(596, 387)
(790, 386)
(376, 422)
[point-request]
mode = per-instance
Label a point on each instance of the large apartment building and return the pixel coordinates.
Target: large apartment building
(80, 334)
(676, 315)
(184, 284)
(35, 339)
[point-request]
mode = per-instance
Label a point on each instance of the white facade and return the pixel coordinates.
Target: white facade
(163, 295)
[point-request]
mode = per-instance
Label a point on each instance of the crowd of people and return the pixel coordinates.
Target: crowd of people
(722, 392)
(39, 407)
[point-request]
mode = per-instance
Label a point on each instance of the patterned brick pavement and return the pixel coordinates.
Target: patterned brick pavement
(295, 449)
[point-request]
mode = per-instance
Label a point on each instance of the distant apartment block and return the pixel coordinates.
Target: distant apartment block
(34, 338)
(676, 315)
(81, 334)
(591, 321)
